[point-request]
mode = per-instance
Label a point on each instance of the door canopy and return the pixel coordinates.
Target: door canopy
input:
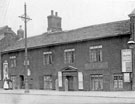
(69, 69)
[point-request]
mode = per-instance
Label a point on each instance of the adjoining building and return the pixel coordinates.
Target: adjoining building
(93, 58)
(7, 38)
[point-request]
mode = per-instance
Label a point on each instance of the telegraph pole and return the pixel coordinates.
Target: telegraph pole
(25, 18)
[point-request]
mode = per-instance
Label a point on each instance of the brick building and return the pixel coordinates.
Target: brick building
(88, 58)
(7, 38)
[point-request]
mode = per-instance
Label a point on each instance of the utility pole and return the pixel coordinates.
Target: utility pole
(25, 18)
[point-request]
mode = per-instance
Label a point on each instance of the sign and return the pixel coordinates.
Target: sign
(28, 72)
(80, 80)
(26, 62)
(126, 60)
(102, 65)
(5, 70)
(126, 77)
(0, 74)
(60, 79)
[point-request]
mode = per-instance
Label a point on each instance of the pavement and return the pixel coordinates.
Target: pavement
(110, 94)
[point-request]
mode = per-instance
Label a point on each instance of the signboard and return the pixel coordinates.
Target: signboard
(126, 77)
(80, 80)
(5, 70)
(126, 60)
(28, 72)
(0, 74)
(26, 62)
(60, 79)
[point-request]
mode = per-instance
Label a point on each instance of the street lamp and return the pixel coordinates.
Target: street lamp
(25, 18)
(131, 44)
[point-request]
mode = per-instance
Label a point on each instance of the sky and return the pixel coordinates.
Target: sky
(74, 13)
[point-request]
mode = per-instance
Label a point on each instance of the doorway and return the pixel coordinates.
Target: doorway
(70, 78)
(22, 85)
(70, 83)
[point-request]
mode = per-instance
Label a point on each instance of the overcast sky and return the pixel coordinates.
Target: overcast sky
(74, 13)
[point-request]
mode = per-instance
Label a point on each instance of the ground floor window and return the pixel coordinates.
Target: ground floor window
(13, 79)
(47, 82)
(97, 82)
(118, 80)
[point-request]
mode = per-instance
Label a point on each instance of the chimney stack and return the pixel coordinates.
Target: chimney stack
(54, 22)
(20, 33)
(132, 24)
(52, 12)
(56, 14)
(8, 30)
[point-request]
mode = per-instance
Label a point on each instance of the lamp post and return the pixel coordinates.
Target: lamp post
(25, 18)
(131, 44)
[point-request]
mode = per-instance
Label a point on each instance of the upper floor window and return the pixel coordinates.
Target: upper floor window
(47, 58)
(13, 61)
(95, 53)
(69, 55)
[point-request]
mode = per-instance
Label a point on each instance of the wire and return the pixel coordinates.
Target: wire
(1, 10)
(4, 10)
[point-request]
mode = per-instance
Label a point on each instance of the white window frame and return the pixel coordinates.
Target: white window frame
(65, 56)
(48, 83)
(118, 84)
(47, 53)
(12, 61)
(93, 56)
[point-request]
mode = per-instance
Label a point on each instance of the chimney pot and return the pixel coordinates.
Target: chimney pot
(52, 12)
(8, 29)
(20, 33)
(56, 14)
(20, 26)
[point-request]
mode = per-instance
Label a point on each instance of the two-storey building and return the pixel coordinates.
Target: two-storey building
(89, 58)
(7, 38)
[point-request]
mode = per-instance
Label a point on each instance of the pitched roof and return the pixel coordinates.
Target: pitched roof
(6, 29)
(3, 29)
(86, 33)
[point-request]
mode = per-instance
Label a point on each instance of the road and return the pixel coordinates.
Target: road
(53, 99)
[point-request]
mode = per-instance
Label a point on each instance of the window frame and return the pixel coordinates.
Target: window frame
(13, 62)
(118, 82)
(95, 53)
(47, 58)
(69, 56)
(98, 78)
(49, 82)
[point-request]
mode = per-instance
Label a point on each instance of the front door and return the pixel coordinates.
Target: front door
(70, 83)
(22, 83)
(69, 79)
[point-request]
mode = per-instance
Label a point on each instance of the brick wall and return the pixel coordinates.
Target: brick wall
(111, 58)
